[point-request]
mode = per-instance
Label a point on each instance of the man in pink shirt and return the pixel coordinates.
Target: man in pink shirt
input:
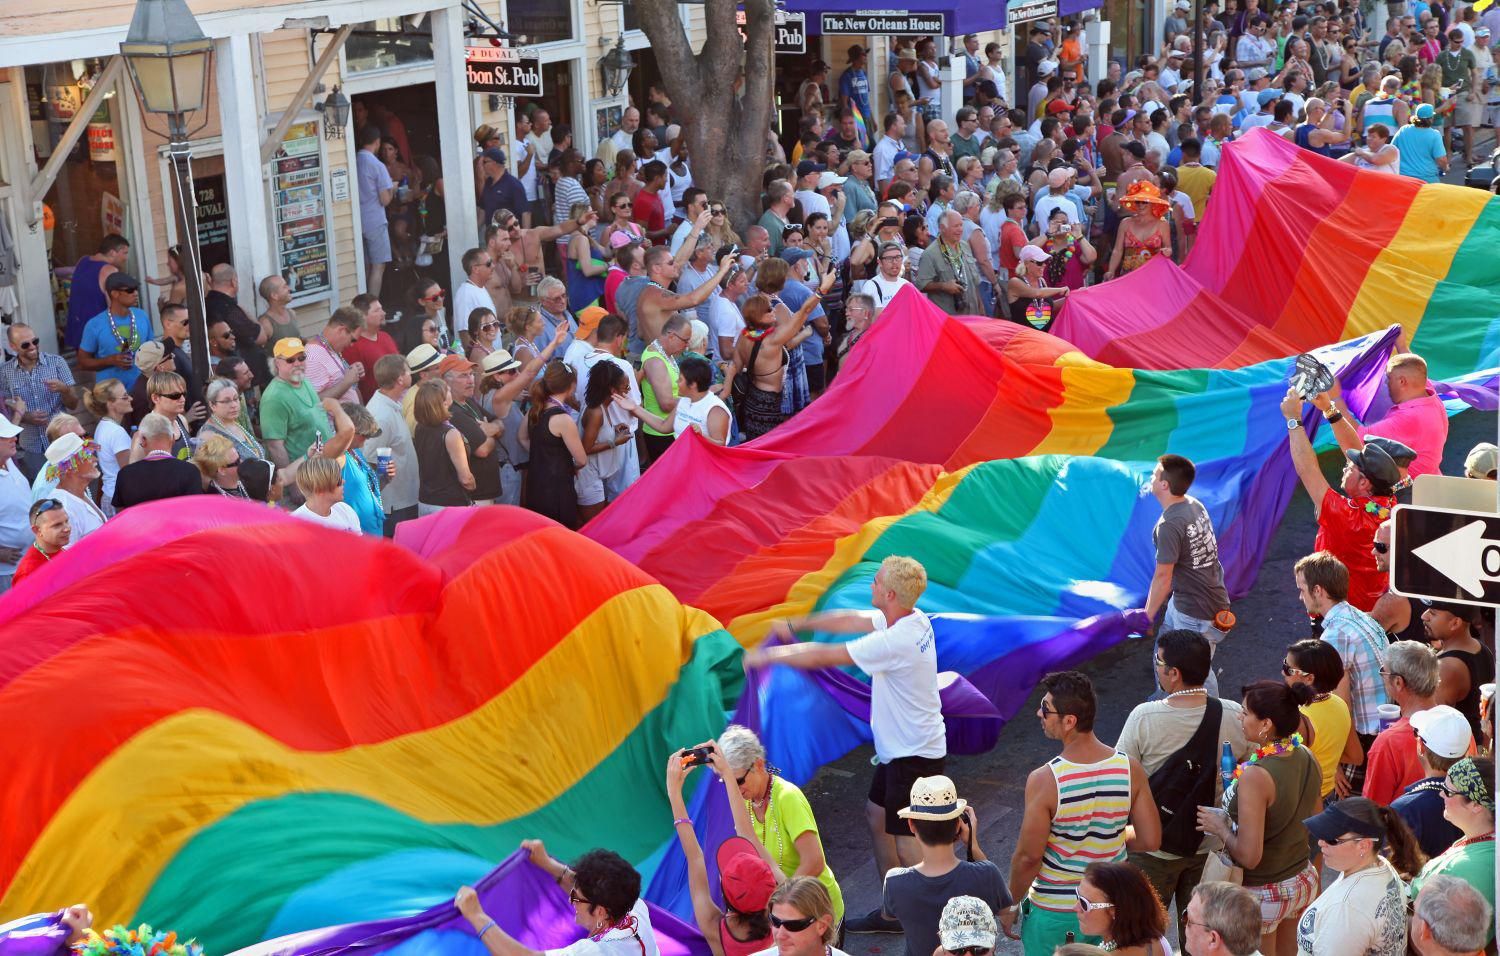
(1416, 417)
(326, 369)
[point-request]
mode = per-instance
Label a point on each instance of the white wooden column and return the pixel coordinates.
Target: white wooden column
(455, 137)
(244, 176)
(1096, 38)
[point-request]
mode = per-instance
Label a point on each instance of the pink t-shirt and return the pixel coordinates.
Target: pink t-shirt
(325, 368)
(1422, 425)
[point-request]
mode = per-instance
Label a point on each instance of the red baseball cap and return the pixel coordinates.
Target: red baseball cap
(744, 876)
(1059, 106)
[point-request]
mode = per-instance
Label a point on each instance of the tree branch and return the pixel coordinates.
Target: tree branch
(669, 42)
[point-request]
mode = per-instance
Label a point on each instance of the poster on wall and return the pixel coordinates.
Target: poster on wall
(112, 214)
(213, 221)
(301, 211)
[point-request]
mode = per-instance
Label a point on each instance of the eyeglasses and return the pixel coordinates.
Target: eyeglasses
(1288, 670)
(487, 263)
(174, 396)
(1085, 906)
(435, 297)
(1049, 712)
(576, 900)
(1380, 547)
(488, 327)
(1448, 791)
(227, 400)
(295, 359)
(792, 925)
(232, 464)
(1347, 839)
(29, 345)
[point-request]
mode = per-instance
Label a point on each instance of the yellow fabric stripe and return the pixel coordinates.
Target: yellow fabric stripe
(1405, 273)
(750, 629)
(151, 796)
(1081, 424)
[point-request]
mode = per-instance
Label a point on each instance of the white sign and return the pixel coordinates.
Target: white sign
(339, 183)
(885, 23)
(1445, 555)
(1020, 11)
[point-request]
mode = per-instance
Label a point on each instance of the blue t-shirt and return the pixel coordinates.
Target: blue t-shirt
(358, 494)
(102, 335)
(1421, 806)
(507, 192)
(373, 177)
(856, 85)
(1420, 148)
(793, 295)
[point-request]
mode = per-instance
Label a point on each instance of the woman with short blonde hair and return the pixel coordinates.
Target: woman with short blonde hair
(321, 482)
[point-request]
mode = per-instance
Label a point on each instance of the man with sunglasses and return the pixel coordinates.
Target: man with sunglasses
(44, 382)
(292, 418)
(111, 338)
(50, 532)
(1411, 681)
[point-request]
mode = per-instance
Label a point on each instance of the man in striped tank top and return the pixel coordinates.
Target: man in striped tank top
(1089, 803)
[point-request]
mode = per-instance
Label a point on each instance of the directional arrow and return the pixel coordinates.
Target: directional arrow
(1465, 557)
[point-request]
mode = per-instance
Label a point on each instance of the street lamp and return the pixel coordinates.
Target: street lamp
(615, 67)
(335, 110)
(170, 60)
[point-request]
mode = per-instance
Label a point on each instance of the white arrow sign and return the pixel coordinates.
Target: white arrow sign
(1466, 557)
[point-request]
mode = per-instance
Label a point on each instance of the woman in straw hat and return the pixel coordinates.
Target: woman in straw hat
(1144, 234)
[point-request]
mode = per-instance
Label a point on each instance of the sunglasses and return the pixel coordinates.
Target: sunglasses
(792, 925)
(1448, 791)
(29, 345)
(1085, 906)
(1347, 839)
(717, 212)
(51, 504)
(970, 950)
(295, 359)
(576, 900)
(232, 464)
(1380, 547)
(174, 396)
(487, 327)
(435, 297)
(1288, 670)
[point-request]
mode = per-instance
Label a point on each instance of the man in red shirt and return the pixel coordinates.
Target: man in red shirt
(1347, 517)
(1411, 680)
(647, 210)
(49, 523)
(370, 343)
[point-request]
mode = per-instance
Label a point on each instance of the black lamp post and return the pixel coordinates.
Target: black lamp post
(170, 61)
(335, 110)
(616, 66)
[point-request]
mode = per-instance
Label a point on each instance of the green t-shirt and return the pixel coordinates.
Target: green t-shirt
(293, 415)
(788, 816)
(1474, 864)
(1457, 67)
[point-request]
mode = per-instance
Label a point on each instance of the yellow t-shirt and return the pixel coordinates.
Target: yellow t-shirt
(1330, 723)
(1196, 181)
(787, 818)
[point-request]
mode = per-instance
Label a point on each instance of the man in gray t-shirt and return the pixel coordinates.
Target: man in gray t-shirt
(1189, 579)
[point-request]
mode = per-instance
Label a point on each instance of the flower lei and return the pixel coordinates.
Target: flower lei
(1273, 749)
(141, 941)
(90, 453)
(1377, 509)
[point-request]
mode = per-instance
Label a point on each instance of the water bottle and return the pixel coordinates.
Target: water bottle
(1226, 764)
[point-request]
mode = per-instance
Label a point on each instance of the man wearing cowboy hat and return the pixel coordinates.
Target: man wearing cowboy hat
(915, 896)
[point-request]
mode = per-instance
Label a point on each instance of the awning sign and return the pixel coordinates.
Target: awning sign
(1020, 11)
(791, 31)
(885, 22)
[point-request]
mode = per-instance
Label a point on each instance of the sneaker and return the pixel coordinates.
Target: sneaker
(872, 922)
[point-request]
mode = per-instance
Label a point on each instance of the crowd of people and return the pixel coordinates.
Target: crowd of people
(613, 308)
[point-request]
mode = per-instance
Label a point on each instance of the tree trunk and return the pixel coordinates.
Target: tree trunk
(726, 134)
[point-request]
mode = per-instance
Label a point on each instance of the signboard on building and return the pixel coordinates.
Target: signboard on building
(1444, 554)
(213, 220)
(301, 214)
(503, 71)
(791, 31)
(1021, 11)
(884, 23)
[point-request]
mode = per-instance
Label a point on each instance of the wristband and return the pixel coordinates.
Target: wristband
(486, 928)
(680, 821)
(1335, 418)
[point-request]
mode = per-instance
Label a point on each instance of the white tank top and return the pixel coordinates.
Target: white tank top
(695, 413)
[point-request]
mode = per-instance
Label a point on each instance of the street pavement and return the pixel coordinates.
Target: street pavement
(1270, 617)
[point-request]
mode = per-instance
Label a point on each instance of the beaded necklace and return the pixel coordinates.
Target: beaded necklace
(128, 345)
(1469, 841)
(238, 491)
(369, 474)
(1188, 692)
(766, 823)
(245, 438)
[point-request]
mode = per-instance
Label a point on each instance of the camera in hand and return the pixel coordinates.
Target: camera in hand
(696, 756)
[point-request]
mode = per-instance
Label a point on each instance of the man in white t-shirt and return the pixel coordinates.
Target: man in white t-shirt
(474, 294)
(523, 157)
(906, 717)
(885, 283)
(605, 891)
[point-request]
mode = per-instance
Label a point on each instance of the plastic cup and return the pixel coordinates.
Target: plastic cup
(1389, 714)
(382, 459)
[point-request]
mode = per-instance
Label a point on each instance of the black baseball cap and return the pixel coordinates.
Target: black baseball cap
(121, 282)
(807, 167)
(1376, 464)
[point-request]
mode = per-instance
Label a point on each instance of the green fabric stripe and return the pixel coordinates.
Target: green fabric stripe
(1465, 304)
(1144, 422)
(251, 861)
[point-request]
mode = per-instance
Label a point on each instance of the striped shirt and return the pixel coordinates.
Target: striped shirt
(1361, 643)
(1093, 808)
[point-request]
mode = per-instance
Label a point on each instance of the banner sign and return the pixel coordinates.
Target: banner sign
(884, 22)
(503, 71)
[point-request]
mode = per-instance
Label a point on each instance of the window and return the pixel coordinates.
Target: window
(541, 21)
(388, 43)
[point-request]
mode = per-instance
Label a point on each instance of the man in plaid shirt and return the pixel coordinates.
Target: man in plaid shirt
(45, 383)
(1323, 585)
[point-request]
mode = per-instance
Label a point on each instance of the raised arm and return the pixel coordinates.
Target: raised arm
(1304, 459)
(705, 912)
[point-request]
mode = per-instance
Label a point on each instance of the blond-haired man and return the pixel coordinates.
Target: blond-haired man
(896, 649)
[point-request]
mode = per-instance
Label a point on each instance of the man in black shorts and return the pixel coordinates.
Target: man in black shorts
(906, 719)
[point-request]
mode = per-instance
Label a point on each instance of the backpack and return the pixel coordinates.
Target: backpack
(1186, 782)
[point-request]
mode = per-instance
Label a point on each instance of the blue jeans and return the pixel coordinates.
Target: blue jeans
(1175, 620)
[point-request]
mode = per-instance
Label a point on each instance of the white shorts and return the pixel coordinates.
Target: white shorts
(588, 484)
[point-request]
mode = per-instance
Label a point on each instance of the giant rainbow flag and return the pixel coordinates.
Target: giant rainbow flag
(221, 720)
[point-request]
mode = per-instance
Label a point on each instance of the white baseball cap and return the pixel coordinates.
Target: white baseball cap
(8, 428)
(1443, 730)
